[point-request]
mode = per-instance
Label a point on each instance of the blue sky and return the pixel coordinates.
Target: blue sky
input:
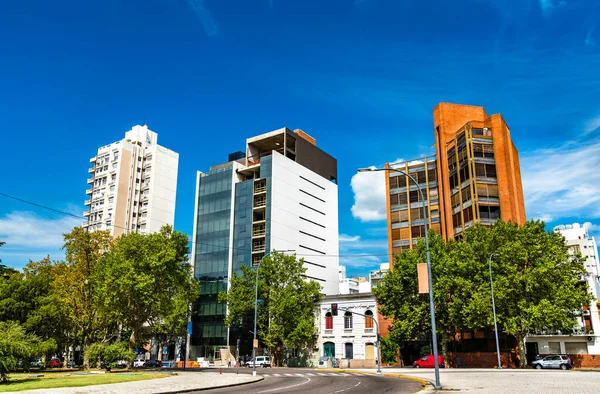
(361, 76)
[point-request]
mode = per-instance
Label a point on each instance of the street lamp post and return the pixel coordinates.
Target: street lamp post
(431, 307)
(494, 310)
(256, 308)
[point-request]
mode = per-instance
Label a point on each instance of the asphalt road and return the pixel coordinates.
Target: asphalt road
(297, 380)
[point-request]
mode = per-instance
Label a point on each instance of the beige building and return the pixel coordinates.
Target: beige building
(132, 185)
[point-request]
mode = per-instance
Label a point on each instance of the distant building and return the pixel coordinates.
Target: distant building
(585, 336)
(347, 335)
(133, 185)
(281, 194)
(475, 177)
(376, 276)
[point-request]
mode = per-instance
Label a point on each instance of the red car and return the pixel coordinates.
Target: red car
(55, 363)
(427, 362)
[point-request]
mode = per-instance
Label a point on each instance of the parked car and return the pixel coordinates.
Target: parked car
(122, 364)
(153, 364)
(37, 363)
(427, 362)
(139, 363)
(556, 361)
(261, 361)
(55, 363)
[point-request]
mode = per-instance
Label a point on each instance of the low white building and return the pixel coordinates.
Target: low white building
(348, 336)
(585, 337)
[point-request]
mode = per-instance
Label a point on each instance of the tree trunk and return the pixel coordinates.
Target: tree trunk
(521, 348)
(445, 350)
(66, 362)
(132, 340)
(84, 345)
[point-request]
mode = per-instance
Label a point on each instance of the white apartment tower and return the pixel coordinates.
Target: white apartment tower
(133, 185)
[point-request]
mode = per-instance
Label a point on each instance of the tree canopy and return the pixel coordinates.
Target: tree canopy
(286, 307)
(537, 284)
(15, 344)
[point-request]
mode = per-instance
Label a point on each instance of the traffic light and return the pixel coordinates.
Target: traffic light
(334, 310)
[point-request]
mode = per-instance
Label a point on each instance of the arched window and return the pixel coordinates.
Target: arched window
(328, 321)
(368, 319)
(348, 320)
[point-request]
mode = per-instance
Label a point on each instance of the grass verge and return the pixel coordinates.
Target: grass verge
(24, 381)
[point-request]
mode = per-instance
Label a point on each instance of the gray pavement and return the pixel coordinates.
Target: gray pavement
(507, 381)
(185, 381)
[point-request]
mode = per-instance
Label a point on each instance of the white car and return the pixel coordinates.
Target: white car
(139, 363)
(261, 361)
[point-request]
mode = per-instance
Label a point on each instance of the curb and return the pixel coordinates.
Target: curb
(260, 378)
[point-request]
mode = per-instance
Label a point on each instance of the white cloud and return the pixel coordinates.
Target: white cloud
(348, 238)
(592, 228)
(369, 196)
(563, 181)
(548, 6)
(589, 42)
(24, 231)
(592, 124)
(367, 254)
(208, 22)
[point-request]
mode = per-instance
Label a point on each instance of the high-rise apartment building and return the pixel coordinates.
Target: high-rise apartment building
(474, 177)
(281, 194)
(133, 185)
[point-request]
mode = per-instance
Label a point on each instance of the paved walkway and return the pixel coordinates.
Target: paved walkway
(507, 381)
(185, 381)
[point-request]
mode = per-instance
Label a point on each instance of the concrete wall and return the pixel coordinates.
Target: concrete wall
(304, 218)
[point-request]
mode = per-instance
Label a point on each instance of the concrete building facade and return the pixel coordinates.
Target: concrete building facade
(475, 177)
(584, 339)
(348, 336)
(280, 194)
(133, 185)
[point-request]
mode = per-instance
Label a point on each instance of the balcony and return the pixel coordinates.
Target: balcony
(260, 186)
(92, 170)
(88, 191)
(258, 246)
(90, 180)
(258, 230)
(87, 202)
(86, 213)
(93, 159)
(260, 201)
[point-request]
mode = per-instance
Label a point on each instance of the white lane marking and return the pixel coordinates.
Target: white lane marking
(344, 374)
(322, 374)
(287, 387)
(276, 374)
(299, 374)
(311, 374)
(332, 374)
(356, 385)
(289, 374)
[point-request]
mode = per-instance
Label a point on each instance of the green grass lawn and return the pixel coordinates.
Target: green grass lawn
(27, 381)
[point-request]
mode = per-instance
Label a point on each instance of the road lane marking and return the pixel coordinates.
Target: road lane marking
(311, 374)
(289, 374)
(276, 374)
(287, 387)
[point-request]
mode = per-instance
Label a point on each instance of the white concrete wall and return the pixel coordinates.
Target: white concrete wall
(163, 188)
(593, 345)
(315, 237)
(358, 335)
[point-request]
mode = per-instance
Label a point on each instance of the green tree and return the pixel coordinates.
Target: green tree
(76, 284)
(110, 354)
(537, 284)
(286, 312)
(145, 279)
(4, 270)
(28, 299)
(389, 350)
(15, 343)
(399, 299)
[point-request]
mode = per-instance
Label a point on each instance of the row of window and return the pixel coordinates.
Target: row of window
(398, 181)
(348, 320)
(415, 214)
(413, 196)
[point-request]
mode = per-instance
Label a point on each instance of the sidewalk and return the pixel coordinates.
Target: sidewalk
(183, 382)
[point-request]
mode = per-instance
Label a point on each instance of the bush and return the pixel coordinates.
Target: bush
(109, 355)
(15, 344)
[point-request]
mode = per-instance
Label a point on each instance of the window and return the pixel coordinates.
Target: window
(576, 348)
(368, 319)
(329, 349)
(349, 350)
(348, 320)
(553, 347)
(328, 321)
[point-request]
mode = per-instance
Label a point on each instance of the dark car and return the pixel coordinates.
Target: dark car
(153, 364)
(55, 363)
